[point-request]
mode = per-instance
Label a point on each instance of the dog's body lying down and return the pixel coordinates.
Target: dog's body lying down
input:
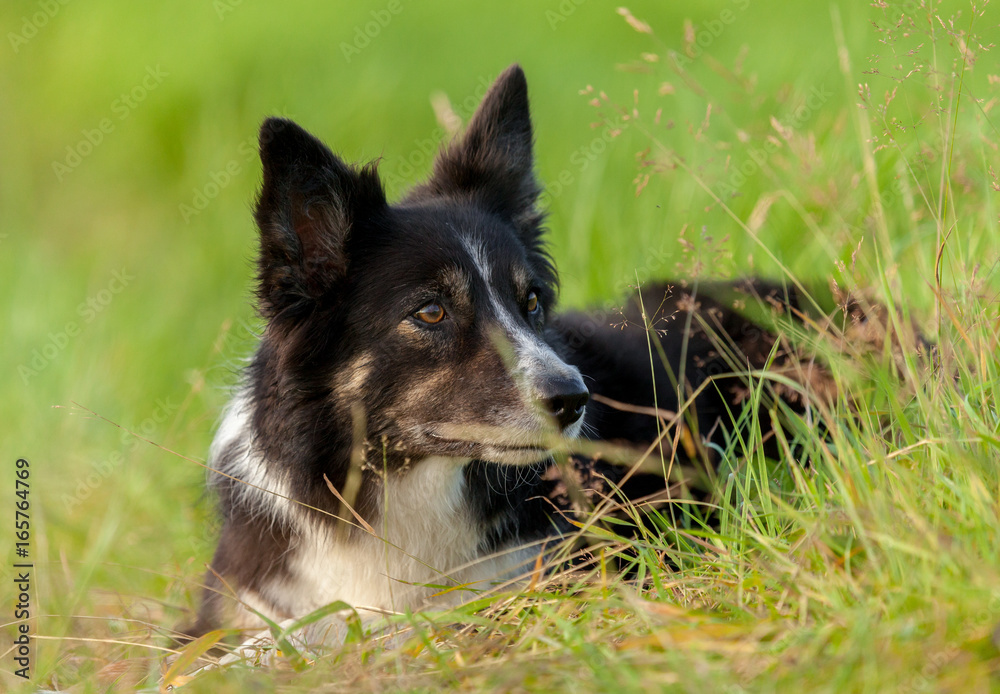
(393, 431)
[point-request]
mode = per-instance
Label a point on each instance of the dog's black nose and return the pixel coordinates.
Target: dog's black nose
(564, 399)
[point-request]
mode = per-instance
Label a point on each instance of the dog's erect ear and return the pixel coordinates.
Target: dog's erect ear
(493, 162)
(309, 202)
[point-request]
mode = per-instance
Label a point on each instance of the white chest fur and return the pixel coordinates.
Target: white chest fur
(425, 537)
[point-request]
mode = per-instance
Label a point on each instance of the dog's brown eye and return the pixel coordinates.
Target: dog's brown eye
(431, 313)
(532, 304)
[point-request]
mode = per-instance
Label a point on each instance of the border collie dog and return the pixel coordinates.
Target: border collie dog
(393, 433)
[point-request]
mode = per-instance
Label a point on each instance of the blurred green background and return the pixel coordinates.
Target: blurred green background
(127, 137)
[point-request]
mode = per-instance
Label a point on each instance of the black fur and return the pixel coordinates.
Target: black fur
(342, 278)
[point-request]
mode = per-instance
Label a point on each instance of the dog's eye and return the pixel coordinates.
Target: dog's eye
(532, 304)
(431, 313)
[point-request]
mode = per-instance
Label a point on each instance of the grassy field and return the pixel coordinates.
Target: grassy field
(848, 143)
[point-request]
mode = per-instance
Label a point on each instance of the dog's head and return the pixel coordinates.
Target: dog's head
(427, 316)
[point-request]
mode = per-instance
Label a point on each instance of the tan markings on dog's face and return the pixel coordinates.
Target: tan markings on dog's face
(351, 380)
(411, 331)
(458, 286)
(522, 280)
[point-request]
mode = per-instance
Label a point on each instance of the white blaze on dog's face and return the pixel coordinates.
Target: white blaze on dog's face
(552, 389)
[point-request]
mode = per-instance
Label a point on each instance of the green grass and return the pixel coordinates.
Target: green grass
(866, 562)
